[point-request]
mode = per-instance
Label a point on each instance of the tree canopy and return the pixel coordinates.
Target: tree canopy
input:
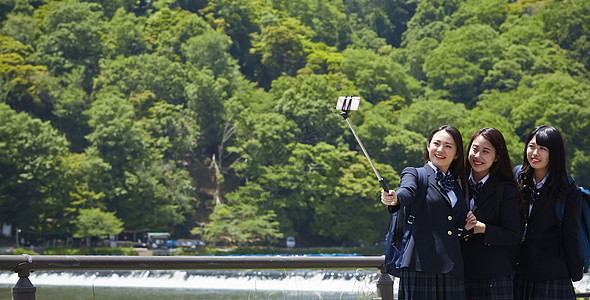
(215, 118)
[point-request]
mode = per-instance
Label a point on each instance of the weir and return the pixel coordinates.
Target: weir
(24, 264)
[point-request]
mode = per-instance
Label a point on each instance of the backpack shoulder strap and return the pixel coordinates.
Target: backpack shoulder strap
(559, 211)
(560, 206)
(516, 171)
(414, 208)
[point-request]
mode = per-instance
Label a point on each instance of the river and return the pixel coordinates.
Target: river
(302, 284)
(210, 284)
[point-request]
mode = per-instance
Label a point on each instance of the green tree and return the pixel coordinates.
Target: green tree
(69, 102)
(22, 27)
(488, 12)
(281, 48)
(111, 6)
(567, 24)
(120, 139)
(308, 100)
(32, 182)
(424, 116)
(96, 223)
(167, 29)
(239, 20)
(176, 130)
(377, 77)
(124, 34)
(24, 86)
(461, 61)
(210, 51)
(157, 197)
(71, 38)
(431, 19)
(137, 74)
(261, 140)
(243, 221)
(144, 190)
(206, 97)
(322, 191)
(388, 19)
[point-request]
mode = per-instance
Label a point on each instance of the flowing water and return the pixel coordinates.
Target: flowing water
(211, 284)
(214, 284)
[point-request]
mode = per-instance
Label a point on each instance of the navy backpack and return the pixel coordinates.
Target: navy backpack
(400, 227)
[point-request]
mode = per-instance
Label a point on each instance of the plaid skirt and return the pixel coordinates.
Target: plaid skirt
(499, 288)
(543, 290)
(414, 285)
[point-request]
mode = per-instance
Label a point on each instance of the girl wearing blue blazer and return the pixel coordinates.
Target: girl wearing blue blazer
(432, 266)
(494, 202)
(549, 257)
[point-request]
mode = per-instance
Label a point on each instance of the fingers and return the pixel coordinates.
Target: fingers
(389, 198)
(470, 220)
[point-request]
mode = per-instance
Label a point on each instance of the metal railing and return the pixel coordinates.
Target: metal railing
(24, 264)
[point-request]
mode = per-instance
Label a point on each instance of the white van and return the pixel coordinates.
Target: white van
(290, 242)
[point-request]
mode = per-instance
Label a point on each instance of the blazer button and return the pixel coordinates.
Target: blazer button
(450, 218)
(449, 232)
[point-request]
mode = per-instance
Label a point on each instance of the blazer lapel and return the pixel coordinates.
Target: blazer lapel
(486, 192)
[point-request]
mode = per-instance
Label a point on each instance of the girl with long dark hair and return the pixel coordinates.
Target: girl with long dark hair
(549, 257)
(432, 266)
(494, 203)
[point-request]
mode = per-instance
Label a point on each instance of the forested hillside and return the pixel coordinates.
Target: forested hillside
(216, 118)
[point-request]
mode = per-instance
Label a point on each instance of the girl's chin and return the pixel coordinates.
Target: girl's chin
(479, 169)
(441, 164)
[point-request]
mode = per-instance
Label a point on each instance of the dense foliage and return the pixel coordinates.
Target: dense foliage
(215, 118)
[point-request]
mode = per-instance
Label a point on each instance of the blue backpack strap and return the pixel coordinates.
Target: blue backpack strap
(559, 211)
(516, 171)
(584, 229)
(414, 208)
(560, 206)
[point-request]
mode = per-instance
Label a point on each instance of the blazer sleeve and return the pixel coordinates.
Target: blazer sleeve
(509, 230)
(570, 231)
(408, 186)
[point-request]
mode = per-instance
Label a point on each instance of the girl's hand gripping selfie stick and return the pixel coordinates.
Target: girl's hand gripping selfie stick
(350, 103)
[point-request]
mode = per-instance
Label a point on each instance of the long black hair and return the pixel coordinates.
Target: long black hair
(557, 181)
(457, 167)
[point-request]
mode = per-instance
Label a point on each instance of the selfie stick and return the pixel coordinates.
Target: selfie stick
(346, 107)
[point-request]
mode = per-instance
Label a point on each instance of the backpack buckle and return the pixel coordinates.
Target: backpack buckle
(411, 219)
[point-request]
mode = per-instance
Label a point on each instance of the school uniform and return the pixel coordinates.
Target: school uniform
(432, 266)
(549, 257)
(488, 256)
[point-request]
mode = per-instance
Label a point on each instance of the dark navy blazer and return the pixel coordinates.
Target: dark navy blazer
(551, 252)
(434, 245)
(489, 255)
